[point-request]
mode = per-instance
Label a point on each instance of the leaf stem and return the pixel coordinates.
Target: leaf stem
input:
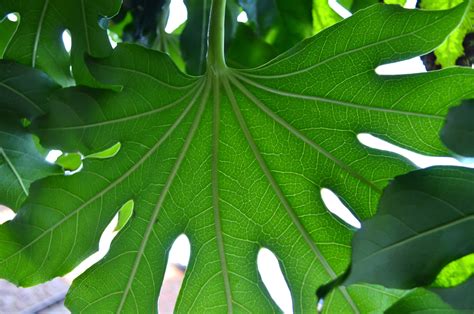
(215, 53)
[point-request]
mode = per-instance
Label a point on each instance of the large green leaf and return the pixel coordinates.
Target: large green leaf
(458, 132)
(424, 221)
(38, 42)
(235, 160)
(447, 54)
(23, 95)
(421, 301)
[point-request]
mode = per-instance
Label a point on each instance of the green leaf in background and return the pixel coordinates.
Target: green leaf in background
(422, 224)
(283, 23)
(323, 16)
(448, 53)
(240, 56)
(421, 301)
(7, 28)
(23, 95)
(458, 132)
(356, 5)
(400, 2)
(38, 39)
(236, 160)
(460, 296)
(456, 272)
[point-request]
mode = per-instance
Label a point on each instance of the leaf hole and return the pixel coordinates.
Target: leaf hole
(178, 259)
(242, 17)
(106, 238)
(178, 15)
(337, 207)
(410, 66)
(6, 214)
(319, 306)
(53, 155)
(339, 9)
(67, 42)
(273, 279)
(12, 17)
(421, 161)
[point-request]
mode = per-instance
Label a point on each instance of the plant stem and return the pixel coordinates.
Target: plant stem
(215, 51)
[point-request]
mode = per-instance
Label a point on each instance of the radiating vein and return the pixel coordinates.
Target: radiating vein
(113, 184)
(281, 196)
(215, 192)
(149, 76)
(163, 195)
(123, 119)
(38, 33)
(305, 139)
(337, 102)
(15, 172)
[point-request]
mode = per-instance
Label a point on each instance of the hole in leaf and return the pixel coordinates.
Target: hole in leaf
(242, 17)
(178, 15)
(66, 36)
(6, 214)
(124, 214)
(114, 39)
(178, 259)
(53, 155)
(335, 206)
(410, 4)
(319, 306)
(419, 160)
(273, 279)
(410, 66)
(339, 9)
(104, 245)
(12, 17)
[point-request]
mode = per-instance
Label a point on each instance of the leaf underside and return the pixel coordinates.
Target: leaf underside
(236, 162)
